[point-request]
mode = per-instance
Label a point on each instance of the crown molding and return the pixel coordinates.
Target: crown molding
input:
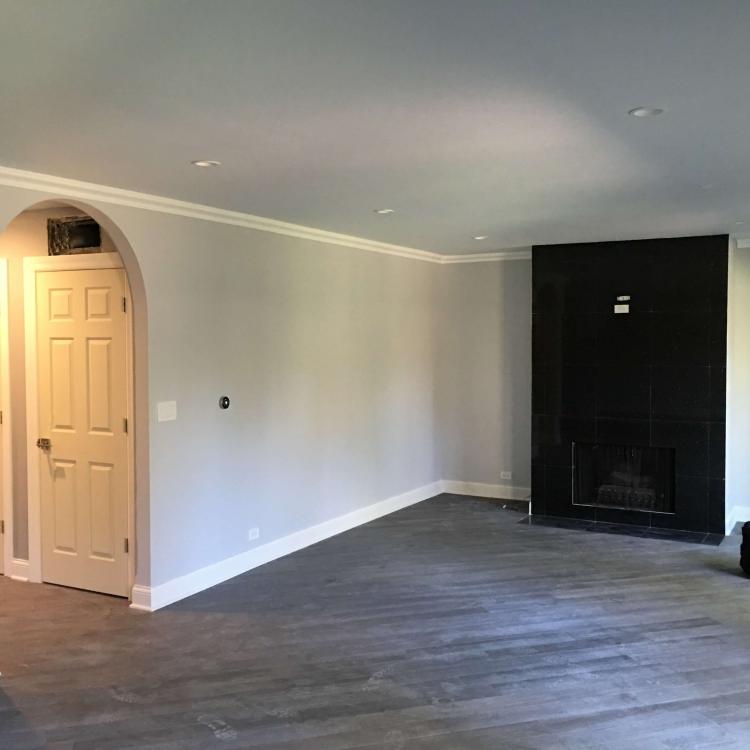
(519, 254)
(67, 188)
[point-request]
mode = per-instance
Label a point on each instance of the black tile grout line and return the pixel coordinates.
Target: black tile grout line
(640, 532)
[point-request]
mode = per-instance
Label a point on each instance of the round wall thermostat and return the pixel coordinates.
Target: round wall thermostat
(224, 402)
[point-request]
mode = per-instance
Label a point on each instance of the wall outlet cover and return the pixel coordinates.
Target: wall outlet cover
(253, 533)
(506, 475)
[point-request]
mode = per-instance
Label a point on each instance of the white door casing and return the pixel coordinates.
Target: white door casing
(6, 466)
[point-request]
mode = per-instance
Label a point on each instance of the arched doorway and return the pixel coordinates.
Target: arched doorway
(23, 511)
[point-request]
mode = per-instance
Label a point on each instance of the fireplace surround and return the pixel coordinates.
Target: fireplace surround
(629, 365)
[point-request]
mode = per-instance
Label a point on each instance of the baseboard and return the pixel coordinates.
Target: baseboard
(479, 489)
(140, 598)
(736, 514)
(19, 570)
(152, 598)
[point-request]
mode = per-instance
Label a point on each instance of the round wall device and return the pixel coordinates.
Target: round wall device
(224, 402)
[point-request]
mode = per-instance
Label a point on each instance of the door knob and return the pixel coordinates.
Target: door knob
(44, 443)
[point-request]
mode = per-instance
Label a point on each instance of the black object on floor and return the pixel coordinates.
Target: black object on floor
(745, 548)
(624, 529)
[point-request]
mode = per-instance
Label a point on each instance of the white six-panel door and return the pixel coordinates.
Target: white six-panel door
(82, 387)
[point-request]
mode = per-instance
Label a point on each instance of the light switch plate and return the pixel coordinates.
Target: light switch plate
(622, 309)
(166, 411)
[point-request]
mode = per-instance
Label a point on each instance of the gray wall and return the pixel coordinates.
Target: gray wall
(738, 388)
(327, 354)
(331, 357)
(484, 372)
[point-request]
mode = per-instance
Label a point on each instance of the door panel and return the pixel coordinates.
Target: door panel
(99, 386)
(61, 383)
(64, 506)
(82, 381)
(103, 511)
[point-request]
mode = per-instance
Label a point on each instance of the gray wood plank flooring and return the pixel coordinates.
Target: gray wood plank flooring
(447, 625)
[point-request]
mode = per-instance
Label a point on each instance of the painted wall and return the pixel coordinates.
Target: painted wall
(25, 236)
(347, 371)
(738, 388)
(354, 377)
(327, 355)
(484, 373)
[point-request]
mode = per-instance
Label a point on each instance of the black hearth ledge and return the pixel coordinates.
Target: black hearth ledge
(642, 532)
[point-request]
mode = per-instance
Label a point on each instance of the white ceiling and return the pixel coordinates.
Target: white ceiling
(466, 116)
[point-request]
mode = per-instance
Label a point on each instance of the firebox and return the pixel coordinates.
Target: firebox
(627, 477)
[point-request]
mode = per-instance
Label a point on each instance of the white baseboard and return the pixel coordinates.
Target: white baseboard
(19, 570)
(478, 489)
(140, 598)
(736, 514)
(152, 598)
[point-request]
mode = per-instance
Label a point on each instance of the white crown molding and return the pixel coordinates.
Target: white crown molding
(520, 254)
(64, 187)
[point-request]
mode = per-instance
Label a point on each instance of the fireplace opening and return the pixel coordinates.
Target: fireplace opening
(623, 476)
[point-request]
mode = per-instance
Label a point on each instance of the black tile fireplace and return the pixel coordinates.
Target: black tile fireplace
(628, 382)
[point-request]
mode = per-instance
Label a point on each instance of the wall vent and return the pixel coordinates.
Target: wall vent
(72, 235)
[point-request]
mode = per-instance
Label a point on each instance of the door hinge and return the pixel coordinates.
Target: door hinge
(126, 545)
(1, 417)
(125, 425)
(124, 304)
(2, 527)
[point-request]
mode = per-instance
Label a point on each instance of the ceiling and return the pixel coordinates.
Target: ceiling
(467, 117)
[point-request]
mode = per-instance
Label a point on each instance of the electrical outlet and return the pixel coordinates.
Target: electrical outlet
(506, 475)
(253, 533)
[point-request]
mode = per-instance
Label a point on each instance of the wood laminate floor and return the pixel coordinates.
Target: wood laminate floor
(445, 626)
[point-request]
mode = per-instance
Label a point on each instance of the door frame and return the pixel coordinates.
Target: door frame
(83, 262)
(6, 431)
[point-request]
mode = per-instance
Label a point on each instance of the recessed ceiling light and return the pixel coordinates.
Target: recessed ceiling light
(384, 211)
(645, 111)
(206, 163)
(479, 237)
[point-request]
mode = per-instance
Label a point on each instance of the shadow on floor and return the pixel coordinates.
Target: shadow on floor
(728, 567)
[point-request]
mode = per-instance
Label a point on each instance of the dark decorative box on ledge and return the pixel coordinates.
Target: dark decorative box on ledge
(629, 382)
